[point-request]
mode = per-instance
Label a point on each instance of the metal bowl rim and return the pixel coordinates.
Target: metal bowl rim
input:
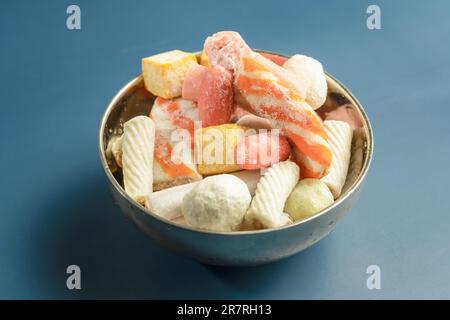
(341, 199)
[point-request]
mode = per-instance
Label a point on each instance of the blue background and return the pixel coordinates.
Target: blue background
(56, 209)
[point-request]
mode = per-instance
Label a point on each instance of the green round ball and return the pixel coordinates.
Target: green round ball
(308, 197)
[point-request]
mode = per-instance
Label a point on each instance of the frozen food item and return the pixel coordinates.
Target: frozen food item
(217, 203)
(340, 139)
(215, 148)
(193, 81)
(137, 159)
(167, 203)
(164, 73)
(266, 208)
(308, 197)
(174, 144)
(345, 112)
(226, 49)
(262, 150)
(286, 77)
(264, 95)
(310, 72)
(357, 157)
(113, 152)
(244, 118)
(272, 92)
(254, 122)
(215, 97)
(212, 88)
(279, 60)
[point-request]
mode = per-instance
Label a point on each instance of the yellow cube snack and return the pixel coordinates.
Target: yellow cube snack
(204, 59)
(215, 148)
(164, 73)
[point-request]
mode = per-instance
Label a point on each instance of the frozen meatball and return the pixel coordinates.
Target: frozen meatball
(217, 203)
(310, 72)
(308, 197)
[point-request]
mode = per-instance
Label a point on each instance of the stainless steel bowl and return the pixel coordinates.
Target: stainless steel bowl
(227, 248)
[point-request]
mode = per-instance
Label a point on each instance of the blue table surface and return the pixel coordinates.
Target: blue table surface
(56, 209)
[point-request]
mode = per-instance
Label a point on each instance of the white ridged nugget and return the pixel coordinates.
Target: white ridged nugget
(340, 139)
(273, 189)
(137, 158)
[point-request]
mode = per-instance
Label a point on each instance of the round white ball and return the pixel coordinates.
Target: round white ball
(308, 197)
(310, 72)
(217, 203)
